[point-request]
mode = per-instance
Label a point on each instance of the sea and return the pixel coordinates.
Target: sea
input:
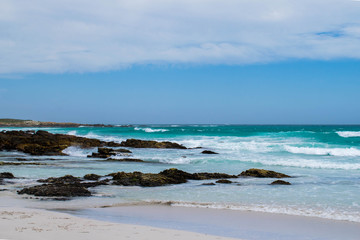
(324, 162)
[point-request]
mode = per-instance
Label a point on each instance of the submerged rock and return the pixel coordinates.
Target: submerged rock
(20, 163)
(179, 174)
(123, 160)
(136, 143)
(280, 182)
(224, 181)
(261, 173)
(208, 184)
(208, 152)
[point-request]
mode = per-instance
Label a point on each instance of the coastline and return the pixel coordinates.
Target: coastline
(31, 224)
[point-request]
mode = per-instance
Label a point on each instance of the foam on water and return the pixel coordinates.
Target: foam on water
(77, 152)
(347, 134)
(342, 152)
(150, 130)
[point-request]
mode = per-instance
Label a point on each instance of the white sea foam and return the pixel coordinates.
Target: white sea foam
(73, 133)
(308, 211)
(76, 152)
(347, 134)
(340, 152)
(150, 130)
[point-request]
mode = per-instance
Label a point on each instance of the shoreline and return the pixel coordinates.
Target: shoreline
(31, 224)
(226, 223)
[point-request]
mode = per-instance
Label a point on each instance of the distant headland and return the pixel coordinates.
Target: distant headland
(9, 122)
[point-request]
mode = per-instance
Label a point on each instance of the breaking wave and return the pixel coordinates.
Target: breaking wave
(347, 134)
(150, 130)
(339, 152)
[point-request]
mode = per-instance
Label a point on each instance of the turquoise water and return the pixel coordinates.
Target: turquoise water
(324, 160)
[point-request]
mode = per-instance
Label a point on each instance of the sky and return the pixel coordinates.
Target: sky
(163, 61)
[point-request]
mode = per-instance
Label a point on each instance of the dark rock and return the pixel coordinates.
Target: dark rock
(261, 173)
(108, 152)
(56, 190)
(224, 181)
(67, 179)
(94, 184)
(92, 177)
(208, 152)
(208, 184)
(136, 143)
(142, 179)
(6, 175)
(20, 163)
(280, 182)
(177, 174)
(206, 175)
(122, 150)
(45, 143)
(124, 160)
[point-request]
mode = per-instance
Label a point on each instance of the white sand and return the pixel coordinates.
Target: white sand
(31, 224)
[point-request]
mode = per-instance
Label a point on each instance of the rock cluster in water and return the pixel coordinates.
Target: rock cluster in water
(136, 143)
(45, 143)
(262, 173)
(107, 152)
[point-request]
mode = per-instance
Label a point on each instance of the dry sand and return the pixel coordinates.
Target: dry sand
(31, 224)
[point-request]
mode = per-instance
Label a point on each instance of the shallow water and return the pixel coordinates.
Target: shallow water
(325, 161)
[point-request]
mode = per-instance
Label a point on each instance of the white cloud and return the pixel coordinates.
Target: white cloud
(82, 35)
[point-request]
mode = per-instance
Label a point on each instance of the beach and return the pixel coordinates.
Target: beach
(31, 224)
(215, 180)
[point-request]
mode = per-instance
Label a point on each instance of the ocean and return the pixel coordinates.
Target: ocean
(323, 160)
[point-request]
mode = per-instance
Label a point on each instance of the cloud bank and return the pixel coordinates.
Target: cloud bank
(82, 36)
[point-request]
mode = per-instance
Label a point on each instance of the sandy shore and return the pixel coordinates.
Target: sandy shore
(29, 224)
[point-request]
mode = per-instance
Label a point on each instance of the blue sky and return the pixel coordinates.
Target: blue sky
(229, 61)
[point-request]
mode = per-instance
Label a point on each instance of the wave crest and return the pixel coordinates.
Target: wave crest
(339, 152)
(150, 130)
(347, 134)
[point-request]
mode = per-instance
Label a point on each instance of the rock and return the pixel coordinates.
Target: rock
(56, 190)
(124, 160)
(208, 152)
(107, 152)
(224, 181)
(280, 182)
(67, 179)
(92, 177)
(206, 175)
(208, 184)
(45, 143)
(20, 163)
(261, 173)
(6, 175)
(142, 179)
(136, 143)
(177, 174)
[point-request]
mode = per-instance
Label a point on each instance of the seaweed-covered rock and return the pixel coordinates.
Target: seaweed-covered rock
(136, 143)
(224, 181)
(208, 184)
(208, 152)
(206, 175)
(177, 174)
(56, 190)
(107, 152)
(45, 143)
(92, 176)
(261, 173)
(280, 182)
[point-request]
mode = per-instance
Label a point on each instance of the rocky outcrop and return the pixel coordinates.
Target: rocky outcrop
(45, 143)
(8, 175)
(92, 176)
(56, 190)
(66, 186)
(224, 181)
(166, 177)
(280, 182)
(261, 173)
(107, 152)
(208, 152)
(136, 143)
